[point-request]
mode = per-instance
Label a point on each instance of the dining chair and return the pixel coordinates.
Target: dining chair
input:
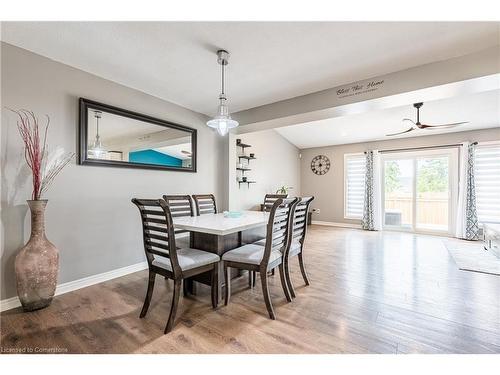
(298, 236)
(269, 200)
(180, 206)
(205, 204)
(262, 259)
(165, 259)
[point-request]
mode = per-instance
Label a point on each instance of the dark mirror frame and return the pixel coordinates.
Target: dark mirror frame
(85, 104)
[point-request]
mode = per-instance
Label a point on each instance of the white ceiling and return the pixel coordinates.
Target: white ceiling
(481, 110)
(112, 126)
(269, 62)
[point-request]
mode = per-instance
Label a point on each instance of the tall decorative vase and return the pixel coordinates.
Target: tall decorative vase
(37, 263)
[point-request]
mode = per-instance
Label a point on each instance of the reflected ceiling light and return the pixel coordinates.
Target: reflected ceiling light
(222, 122)
(97, 149)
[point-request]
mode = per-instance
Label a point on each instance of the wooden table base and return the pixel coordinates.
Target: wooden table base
(218, 244)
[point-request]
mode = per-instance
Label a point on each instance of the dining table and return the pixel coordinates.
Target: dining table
(220, 232)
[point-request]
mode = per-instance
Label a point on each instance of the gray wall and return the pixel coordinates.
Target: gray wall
(329, 188)
(89, 216)
(277, 163)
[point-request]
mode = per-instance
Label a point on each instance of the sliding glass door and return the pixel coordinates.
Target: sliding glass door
(419, 190)
(399, 192)
(433, 193)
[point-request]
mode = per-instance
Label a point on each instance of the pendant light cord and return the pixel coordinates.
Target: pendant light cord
(97, 124)
(222, 92)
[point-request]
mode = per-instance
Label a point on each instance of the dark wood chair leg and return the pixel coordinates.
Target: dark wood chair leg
(303, 269)
(185, 288)
(227, 289)
(286, 267)
(254, 278)
(284, 284)
(215, 285)
(267, 297)
(272, 272)
(250, 282)
(192, 287)
(149, 293)
(173, 307)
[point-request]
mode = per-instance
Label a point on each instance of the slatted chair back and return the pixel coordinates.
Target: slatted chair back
(269, 200)
(300, 218)
(158, 231)
(280, 216)
(180, 205)
(205, 204)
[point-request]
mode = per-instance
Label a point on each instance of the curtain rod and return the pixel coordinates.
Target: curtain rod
(422, 148)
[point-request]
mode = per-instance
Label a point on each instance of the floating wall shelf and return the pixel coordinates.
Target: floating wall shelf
(244, 167)
(243, 145)
(246, 182)
(246, 157)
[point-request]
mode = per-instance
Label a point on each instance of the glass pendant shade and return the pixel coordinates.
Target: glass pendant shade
(97, 149)
(223, 121)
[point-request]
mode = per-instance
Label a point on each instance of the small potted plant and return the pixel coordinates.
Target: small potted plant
(284, 189)
(37, 263)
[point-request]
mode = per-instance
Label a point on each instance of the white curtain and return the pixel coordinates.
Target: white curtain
(467, 226)
(372, 207)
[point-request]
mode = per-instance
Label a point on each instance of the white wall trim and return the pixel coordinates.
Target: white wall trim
(70, 286)
(332, 224)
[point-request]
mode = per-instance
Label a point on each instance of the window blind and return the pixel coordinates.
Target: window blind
(487, 180)
(355, 169)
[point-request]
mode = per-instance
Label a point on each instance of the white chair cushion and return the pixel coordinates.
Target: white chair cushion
(261, 242)
(188, 258)
(249, 254)
(294, 248)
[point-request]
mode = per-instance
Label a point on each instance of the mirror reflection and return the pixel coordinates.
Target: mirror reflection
(116, 138)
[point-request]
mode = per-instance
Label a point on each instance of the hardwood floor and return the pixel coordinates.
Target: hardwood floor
(370, 292)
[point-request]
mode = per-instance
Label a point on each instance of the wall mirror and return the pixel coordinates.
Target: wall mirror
(110, 136)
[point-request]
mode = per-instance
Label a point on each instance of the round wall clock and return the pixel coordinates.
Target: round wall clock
(320, 164)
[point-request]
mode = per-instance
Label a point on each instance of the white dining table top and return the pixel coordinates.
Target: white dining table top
(220, 225)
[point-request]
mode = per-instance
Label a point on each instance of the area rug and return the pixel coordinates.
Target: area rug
(471, 256)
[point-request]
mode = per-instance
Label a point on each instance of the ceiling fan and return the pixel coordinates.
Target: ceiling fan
(419, 125)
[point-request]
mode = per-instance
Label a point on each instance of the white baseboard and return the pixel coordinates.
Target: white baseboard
(14, 302)
(332, 224)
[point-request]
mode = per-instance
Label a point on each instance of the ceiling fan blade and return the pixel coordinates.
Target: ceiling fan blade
(425, 126)
(408, 120)
(406, 131)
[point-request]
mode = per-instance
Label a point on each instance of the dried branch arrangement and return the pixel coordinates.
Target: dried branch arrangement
(44, 167)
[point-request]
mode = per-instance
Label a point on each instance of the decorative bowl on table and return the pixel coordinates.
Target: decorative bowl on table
(233, 214)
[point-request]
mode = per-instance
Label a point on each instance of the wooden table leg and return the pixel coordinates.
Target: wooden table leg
(218, 245)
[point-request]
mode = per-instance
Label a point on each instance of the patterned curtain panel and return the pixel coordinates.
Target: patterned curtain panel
(472, 225)
(368, 222)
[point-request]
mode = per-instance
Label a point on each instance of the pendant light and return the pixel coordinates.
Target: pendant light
(222, 122)
(97, 149)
